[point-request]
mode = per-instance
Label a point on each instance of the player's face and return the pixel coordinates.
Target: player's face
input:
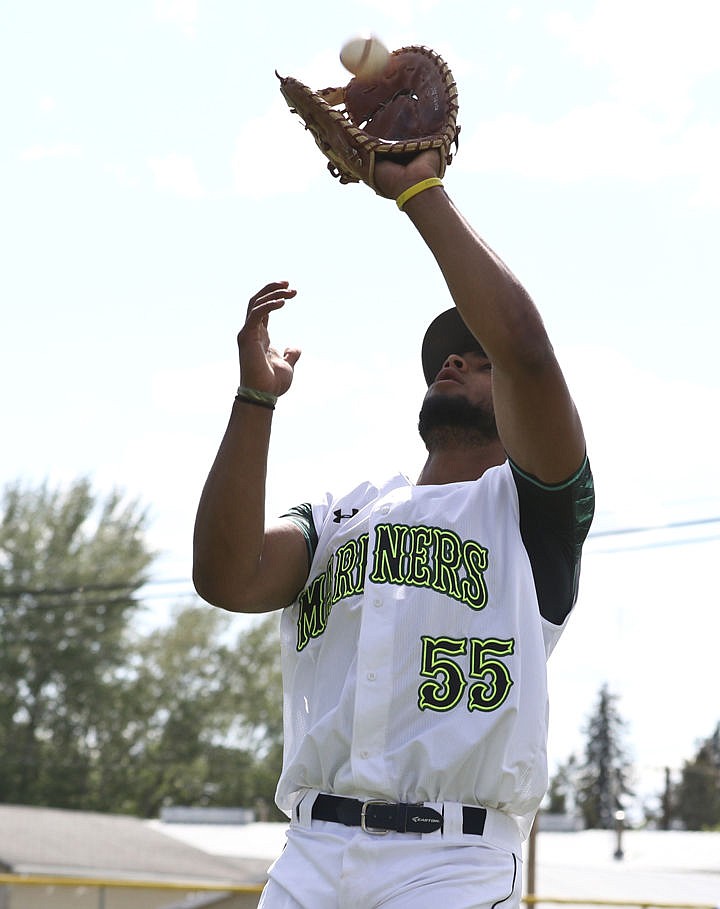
(460, 400)
(468, 374)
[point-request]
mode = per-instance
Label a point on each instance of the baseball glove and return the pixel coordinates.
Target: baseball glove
(411, 107)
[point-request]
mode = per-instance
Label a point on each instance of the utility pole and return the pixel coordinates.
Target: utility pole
(531, 857)
(666, 803)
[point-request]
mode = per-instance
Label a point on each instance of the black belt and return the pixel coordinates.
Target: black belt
(378, 816)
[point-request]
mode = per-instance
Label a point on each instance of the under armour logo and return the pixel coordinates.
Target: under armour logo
(339, 516)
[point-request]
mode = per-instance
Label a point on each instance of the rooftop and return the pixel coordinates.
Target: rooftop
(666, 866)
(80, 843)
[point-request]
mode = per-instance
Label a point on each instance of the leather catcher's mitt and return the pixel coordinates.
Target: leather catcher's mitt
(410, 107)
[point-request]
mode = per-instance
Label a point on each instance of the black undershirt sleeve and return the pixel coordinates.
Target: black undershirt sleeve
(302, 517)
(554, 523)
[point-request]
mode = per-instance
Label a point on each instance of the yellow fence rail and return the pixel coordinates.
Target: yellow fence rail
(533, 900)
(38, 880)
(46, 880)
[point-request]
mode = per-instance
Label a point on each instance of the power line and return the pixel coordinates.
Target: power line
(672, 525)
(87, 588)
(661, 544)
(132, 589)
(658, 528)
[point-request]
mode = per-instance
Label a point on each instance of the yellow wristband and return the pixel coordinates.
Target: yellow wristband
(411, 191)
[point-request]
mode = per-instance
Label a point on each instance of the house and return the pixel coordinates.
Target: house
(96, 853)
(102, 852)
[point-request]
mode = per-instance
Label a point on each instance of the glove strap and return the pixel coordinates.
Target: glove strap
(411, 191)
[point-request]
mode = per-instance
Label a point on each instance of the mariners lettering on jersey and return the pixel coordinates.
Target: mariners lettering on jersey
(415, 556)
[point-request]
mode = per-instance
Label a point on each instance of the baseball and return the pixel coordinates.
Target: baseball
(365, 58)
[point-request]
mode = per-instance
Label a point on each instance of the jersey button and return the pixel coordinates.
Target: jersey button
(371, 676)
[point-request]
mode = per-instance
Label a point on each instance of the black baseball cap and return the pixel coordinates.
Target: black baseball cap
(446, 334)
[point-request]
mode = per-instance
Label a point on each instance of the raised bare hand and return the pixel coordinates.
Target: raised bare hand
(261, 366)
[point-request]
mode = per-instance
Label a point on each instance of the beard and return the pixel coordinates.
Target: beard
(453, 420)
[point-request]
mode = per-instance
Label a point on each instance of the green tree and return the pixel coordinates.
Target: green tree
(605, 774)
(560, 797)
(171, 701)
(256, 690)
(697, 798)
(95, 714)
(71, 564)
(198, 718)
(256, 685)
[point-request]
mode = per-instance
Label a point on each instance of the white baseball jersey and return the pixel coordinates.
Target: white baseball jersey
(414, 660)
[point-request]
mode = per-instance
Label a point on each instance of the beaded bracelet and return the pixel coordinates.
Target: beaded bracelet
(258, 398)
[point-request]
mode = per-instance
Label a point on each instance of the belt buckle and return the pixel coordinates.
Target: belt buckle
(373, 831)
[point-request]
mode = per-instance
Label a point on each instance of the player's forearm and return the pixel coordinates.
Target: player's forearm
(490, 298)
(230, 520)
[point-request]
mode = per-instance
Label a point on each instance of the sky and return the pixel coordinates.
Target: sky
(153, 178)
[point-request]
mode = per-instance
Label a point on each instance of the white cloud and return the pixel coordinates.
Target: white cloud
(121, 174)
(182, 13)
(193, 391)
(651, 123)
(633, 421)
(606, 139)
(655, 49)
(274, 155)
(58, 150)
(176, 174)
(404, 12)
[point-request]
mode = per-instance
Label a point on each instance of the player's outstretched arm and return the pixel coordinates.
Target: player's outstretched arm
(537, 420)
(238, 563)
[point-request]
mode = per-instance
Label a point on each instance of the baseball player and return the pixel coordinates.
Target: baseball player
(417, 616)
